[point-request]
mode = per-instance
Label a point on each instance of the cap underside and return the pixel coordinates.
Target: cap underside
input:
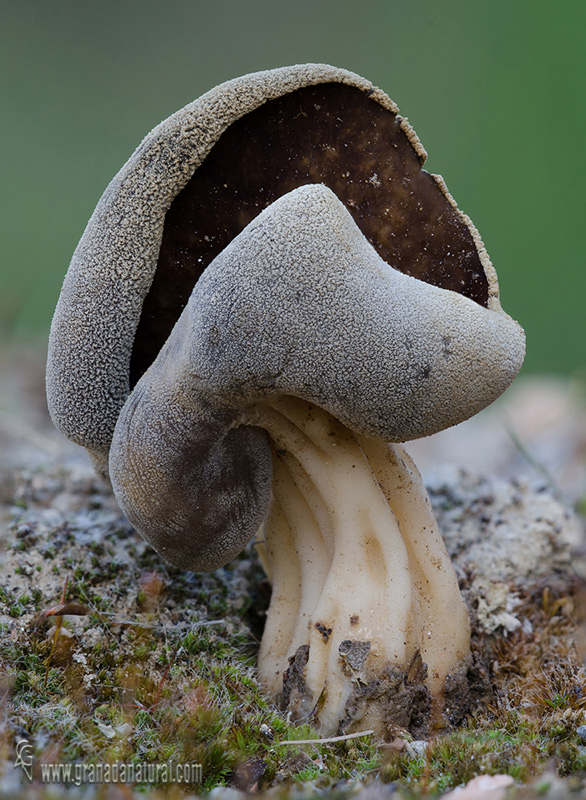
(332, 134)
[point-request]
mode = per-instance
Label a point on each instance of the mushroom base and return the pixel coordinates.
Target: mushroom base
(366, 625)
(384, 701)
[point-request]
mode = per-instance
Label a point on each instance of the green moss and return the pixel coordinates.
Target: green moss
(163, 671)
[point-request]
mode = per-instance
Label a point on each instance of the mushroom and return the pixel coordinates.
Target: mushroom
(269, 292)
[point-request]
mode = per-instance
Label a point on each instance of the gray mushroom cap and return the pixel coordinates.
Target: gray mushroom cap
(298, 304)
(100, 305)
(102, 324)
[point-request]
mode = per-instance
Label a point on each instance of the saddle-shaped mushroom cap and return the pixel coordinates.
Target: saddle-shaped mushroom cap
(197, 180)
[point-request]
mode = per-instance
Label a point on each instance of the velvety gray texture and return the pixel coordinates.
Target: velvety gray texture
(113, 266)
(298, 304)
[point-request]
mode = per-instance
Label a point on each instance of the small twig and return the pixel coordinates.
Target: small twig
(58, 624)
(62, 610)
(113, 619)
(331, 740)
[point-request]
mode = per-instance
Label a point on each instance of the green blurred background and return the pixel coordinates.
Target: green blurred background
(494, 89)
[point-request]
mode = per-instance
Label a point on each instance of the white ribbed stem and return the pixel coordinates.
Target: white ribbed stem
(354, 554)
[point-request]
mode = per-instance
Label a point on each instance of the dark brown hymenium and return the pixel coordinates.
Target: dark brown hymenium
(331, 134)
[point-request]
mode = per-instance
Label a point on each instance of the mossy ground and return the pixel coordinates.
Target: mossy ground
(158, 666)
